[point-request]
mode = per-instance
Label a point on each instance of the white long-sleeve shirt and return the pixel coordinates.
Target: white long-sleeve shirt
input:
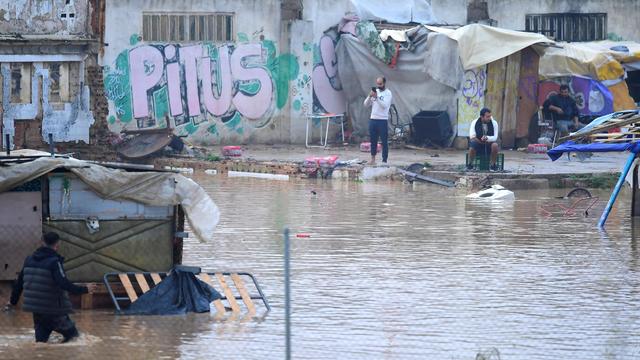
(472, 131)
(380, 105)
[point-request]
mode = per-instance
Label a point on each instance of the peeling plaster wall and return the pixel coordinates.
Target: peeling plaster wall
(40, 17)
(66, 121)
(248, 90)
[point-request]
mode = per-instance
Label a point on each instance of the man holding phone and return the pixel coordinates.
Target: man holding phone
(380, 101)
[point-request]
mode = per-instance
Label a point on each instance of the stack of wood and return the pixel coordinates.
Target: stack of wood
(621, 127)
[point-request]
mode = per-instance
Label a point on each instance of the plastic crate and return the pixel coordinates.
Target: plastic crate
(483, 162)
(232, 151)
(537, 148)
(366, 147)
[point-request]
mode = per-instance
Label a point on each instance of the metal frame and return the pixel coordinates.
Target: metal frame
(323, 117)
(116, 299)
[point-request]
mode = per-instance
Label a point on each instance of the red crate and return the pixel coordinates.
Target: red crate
(233, 151)
(366, 147)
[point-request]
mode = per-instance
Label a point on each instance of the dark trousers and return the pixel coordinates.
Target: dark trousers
(44, 324)
(379, 129)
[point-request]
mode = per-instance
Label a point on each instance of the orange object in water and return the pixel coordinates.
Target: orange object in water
(303, 235)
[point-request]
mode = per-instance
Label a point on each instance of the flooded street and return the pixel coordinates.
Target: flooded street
(391, 271)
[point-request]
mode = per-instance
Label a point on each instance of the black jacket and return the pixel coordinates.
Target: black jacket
(566, 103)
(45, 284)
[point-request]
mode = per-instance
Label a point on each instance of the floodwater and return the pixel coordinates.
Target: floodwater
(392, 271)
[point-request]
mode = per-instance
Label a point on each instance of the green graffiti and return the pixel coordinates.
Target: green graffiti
(191, 128)
(133, 39)
(249, 88)
(212, 129)
(307, 47)
(161, 102)
(118, 88)
(242, 37)
(297, 105)
(614, 37)
(234, 122)
(112, 119)
(240, 130)
(317, 57)
(283, 69)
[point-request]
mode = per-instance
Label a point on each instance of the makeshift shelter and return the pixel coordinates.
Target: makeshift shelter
(447, 71)
(595, 72)
(110, 218)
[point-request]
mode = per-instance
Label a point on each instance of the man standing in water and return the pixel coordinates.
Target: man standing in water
(380, 101)
(46, 288)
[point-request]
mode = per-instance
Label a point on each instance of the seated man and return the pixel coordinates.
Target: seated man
(483, 137)
(564, 111)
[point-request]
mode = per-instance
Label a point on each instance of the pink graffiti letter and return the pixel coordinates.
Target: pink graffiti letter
(189, 55)
(217, 106)
(173, 83)
(146, 66)
(252, 107)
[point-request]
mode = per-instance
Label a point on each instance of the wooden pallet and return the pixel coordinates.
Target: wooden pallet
(137, 284)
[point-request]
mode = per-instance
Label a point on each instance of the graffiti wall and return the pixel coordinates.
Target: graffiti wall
(206, 91)
(471, 99)
(592, 97)
(327, 89)
(64, 120)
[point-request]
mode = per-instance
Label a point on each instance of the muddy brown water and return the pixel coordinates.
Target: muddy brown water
(391, 271)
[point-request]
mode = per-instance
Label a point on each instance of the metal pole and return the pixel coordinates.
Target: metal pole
(51, 150)
(287, 296)
(616, 190)
(7, 141)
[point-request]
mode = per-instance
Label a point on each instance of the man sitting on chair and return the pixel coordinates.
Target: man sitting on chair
(564, 110)
(483, 137)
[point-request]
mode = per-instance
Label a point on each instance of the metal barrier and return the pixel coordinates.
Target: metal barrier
(232, 303)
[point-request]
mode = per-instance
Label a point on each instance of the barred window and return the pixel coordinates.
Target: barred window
(216, 27)
(569, 26)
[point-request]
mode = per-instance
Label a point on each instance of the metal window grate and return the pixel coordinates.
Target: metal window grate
(216, 27)
(569, 27)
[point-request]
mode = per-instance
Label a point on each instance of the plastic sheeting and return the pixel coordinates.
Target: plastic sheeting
(571, 146)
(413, 89)
(401, 12)
(179, 293)
(482, 44)
(150, 188)
(600, 60)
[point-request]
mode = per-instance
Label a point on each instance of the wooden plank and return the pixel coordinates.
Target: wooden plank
(246, 298)
(527, 91)
(509, 107)
(142, 282)
(156, 278)
(228, 293)
(131, 293)
(495, 88)
(216, 303)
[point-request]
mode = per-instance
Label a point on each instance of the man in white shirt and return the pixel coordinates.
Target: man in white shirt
(380, 101)
(483, 137)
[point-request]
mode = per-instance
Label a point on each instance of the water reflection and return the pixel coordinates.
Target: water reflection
(397, 271)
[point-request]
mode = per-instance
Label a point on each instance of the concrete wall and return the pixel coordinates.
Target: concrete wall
(213, 93)
(50, 17)
(622, 15)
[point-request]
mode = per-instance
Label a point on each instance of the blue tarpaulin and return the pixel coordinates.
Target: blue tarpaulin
(571, 146)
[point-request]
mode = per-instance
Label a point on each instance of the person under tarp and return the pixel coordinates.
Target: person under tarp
(179, 293)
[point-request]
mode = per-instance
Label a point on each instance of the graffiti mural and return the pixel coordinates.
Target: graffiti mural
(327, 89)
(201, 87)
(592, 97)
(471, 99)
(66, 121)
